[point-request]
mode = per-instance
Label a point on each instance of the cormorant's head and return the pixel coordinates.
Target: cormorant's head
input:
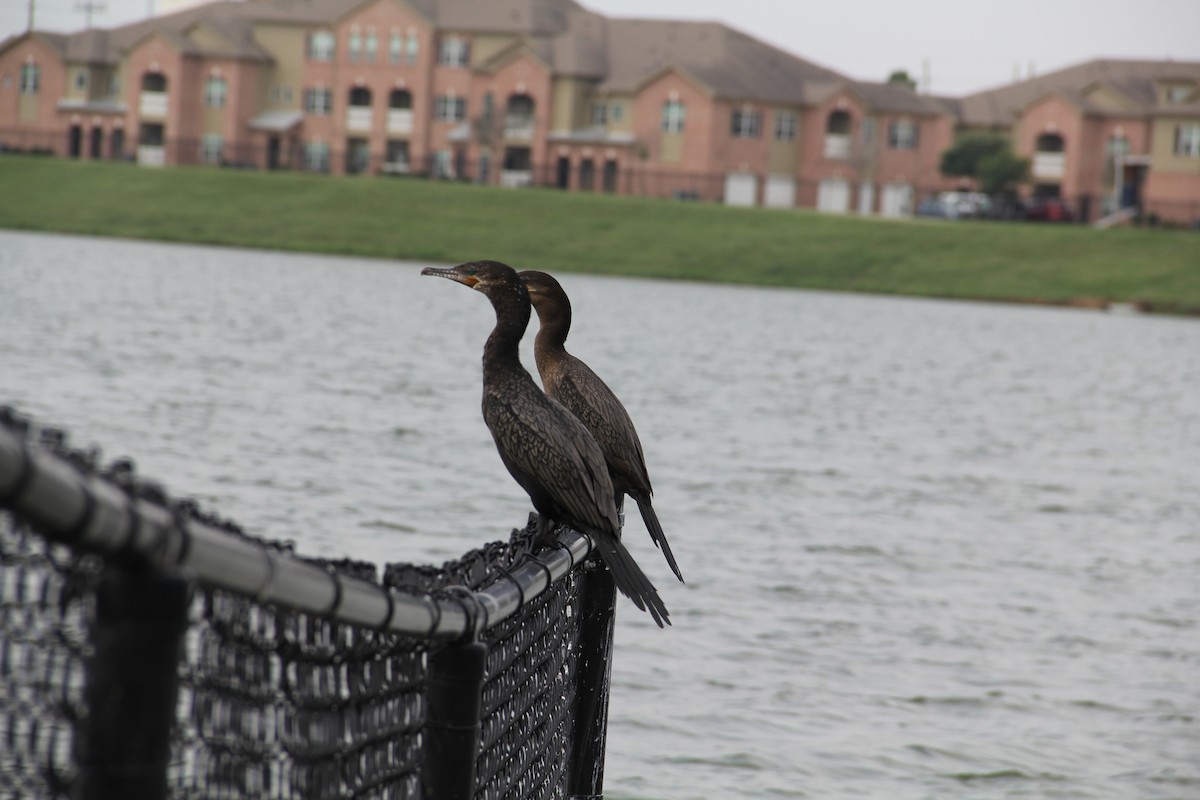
(482, 276)
(545, 293)
(540, 284)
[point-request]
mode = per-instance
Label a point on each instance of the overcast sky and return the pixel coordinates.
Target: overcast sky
(964, 45)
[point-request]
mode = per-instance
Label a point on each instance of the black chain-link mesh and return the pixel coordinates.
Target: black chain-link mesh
(275, 703)
(45, 605)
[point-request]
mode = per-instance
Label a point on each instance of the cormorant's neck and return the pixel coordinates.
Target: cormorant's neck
(554, 323)
(512, 317)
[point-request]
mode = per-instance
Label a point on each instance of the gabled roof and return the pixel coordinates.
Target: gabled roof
(56, 41)
(580, 49)
(535, 17)
(897, 98)
(727, 61)
(1136, 80)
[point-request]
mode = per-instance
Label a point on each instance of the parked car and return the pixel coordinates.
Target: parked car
(931, 207)
(956, 205)
(1049, 209)
(966, 205)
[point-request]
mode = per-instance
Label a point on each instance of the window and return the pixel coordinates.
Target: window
(371, 46)
(30, 78)
(318, 101)
(395, 47)
(1179, 93)
(449, 108)
(412, 47)
(746, 123)
(320, 46)
(599, 114)
(211, 146)
(455, 52)
(672, 117)
(1115, 149)
(902, 135)
(868, 131)
(1187, 140)
(214, 92)
(785, 126)
(81, 80)
(354, 45)
(316, 156)
(616, 112)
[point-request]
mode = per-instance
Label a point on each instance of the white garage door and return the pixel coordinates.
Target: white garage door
(780, 191)
(897, 200)
(741, 189)
(866, 198)
(834, 195)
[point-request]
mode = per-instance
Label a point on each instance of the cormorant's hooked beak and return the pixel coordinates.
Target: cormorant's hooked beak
(452, 274)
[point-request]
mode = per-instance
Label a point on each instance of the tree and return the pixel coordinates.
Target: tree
(1000, 172)
(902, 77)
(988, 159)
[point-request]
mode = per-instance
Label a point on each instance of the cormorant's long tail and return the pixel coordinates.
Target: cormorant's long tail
(630, 579)
(656, 533)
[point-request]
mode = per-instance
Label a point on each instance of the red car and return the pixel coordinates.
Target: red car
(1049, 209)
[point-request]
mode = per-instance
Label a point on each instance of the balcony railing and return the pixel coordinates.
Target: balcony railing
(358, 118)
(400, 120)
(149, 155)
(518, 127)
(1049, 165)
(395, 168)
(837, 145)
(153, 104)
(515, 178)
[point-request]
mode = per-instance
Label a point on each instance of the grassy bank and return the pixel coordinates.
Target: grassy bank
(447, 222)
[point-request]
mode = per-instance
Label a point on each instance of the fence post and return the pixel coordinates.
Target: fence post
(452, 723)
(597, 600)
(132, 681)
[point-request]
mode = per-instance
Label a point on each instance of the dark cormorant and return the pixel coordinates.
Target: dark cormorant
(572, 383)
(548, 451)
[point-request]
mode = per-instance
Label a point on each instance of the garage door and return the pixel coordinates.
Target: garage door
(834, 195)
(741, 189)
(897, 200)
(780, 191)
(866, 198)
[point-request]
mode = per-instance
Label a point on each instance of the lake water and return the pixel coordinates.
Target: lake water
(933, 549)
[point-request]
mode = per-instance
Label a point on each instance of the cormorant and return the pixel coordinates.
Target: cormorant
(546, 449)
(572, 383)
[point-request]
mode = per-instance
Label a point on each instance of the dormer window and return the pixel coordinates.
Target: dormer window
(1176, 93)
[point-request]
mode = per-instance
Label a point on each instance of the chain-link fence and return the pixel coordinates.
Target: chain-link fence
(149, 650)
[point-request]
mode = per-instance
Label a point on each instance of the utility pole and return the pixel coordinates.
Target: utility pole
(29, 26)
(87, 7)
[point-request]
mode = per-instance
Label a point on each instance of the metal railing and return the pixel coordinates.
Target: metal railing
(168, 654)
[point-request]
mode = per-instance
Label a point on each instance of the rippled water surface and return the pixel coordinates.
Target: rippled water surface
(933, 549)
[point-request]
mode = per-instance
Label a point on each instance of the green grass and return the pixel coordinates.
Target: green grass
(550, 230)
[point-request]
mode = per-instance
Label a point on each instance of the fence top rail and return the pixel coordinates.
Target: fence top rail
(65, 497)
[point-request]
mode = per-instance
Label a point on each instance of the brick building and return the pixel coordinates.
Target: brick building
(519, 92)
(1104, 134)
